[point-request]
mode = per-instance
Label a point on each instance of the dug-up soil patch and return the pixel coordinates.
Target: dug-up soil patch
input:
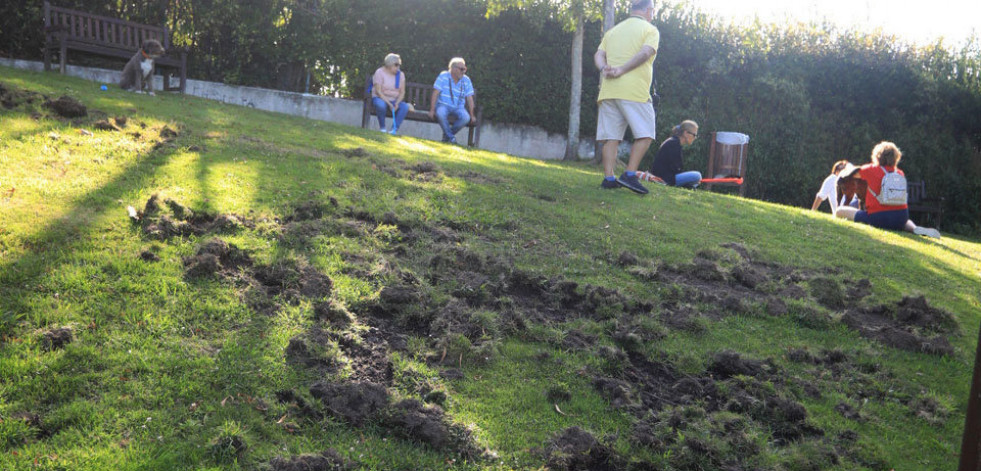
(57, 338)
(666, 401)
(12, 97)
(163, 219)
(575, 449)
(747, 285)
(67, 107)
(328, 460)
(911, 324)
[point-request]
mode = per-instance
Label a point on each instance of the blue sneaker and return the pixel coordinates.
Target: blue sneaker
(632, 184)
(609, 184)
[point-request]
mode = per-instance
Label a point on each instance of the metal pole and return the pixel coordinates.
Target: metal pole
(971, 445)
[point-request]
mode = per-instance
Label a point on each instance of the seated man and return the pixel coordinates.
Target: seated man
(451, 91)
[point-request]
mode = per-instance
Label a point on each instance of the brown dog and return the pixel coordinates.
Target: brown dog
(138, 72)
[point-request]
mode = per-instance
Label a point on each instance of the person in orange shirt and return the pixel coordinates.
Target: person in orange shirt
(885, 159)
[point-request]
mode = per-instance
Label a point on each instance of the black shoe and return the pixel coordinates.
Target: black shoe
(609, 184)
(632, 183)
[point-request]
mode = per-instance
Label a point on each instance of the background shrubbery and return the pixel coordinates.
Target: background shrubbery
(807, 95)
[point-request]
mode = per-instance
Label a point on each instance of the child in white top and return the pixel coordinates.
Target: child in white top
(829, 189)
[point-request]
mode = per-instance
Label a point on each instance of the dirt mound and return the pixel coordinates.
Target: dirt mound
(105, 125)
(727, 364)
(163, 218)
(311, 210)
(215, 257)
(328, 460)
(575, 449)
(828, 292)
(294, 400)
(167, 133)
(577, 340)
(415, 421)
(627, 259)
(353, 402)
(859, 290)
(425, 172)
(334, 312)
(911, 324)
(148, 256)
(849, 412)
(67, 107)
(368, 356)
(293, 279)
(57, 338)
(12, 97)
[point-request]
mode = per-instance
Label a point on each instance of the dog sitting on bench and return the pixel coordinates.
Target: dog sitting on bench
(138, 72)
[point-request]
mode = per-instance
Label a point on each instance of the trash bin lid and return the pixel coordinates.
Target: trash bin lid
(731, 138)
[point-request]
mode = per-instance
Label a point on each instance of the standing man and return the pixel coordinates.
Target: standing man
(451, 91)
(625, 57)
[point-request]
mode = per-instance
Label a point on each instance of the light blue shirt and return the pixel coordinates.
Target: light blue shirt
(452, 94)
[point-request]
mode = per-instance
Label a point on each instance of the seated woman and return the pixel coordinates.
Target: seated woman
(667, 161)
(388, 91)
(885, 158)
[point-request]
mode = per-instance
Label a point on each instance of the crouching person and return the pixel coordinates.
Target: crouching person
(668, 163)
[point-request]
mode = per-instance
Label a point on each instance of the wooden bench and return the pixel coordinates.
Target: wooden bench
(66, 29)
(918, 202)
(419, 95)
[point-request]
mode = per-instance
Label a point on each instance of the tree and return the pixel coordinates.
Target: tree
(572, 14)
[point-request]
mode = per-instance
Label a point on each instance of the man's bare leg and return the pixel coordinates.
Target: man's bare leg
(610, 157)
(637, 152)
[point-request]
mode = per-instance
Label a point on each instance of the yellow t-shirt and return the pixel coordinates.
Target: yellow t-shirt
(621, 43)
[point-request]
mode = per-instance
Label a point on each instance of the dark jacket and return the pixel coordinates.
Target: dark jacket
(667, 161)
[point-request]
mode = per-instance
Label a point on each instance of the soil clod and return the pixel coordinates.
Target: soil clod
(328, 460)
(67, 107)
(911, 324)
(57, 338)
(575, 449)
(354, 402)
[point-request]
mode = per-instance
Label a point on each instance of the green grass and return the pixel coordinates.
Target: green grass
(163, 370)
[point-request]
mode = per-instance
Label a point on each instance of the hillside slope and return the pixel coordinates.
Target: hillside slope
(296, 293)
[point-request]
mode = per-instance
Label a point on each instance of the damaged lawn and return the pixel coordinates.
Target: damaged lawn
(188, 285)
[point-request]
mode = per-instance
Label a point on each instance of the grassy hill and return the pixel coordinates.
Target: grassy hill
(296, 293)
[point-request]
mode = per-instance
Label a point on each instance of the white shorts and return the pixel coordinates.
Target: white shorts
(615, 115)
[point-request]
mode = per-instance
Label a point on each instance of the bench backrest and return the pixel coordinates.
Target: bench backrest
(419, 94)
(916, 191)
(101, 30)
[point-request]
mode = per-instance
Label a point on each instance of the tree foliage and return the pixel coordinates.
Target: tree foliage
(808, 95)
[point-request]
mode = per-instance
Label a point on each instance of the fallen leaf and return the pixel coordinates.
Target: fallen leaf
(281, 419)
(558, 410)
(225, 400)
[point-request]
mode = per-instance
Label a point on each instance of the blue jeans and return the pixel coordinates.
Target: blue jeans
(382, 110)
(895, 219)
(461, 119)
(688, 179)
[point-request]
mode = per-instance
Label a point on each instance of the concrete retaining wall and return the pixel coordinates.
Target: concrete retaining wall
(514, 139)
